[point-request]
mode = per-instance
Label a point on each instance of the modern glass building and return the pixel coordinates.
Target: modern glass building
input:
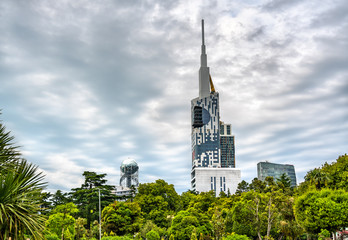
(212, 142)
(275, 170)
(227, 148)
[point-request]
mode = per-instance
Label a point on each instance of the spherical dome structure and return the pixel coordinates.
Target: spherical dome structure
(129, 173)
(129, 166)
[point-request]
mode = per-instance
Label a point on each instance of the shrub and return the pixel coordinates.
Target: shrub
(152, 235)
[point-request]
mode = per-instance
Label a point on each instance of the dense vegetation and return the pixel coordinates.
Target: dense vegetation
(268, 209)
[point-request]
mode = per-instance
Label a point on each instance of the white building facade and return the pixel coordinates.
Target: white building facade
(213, 156)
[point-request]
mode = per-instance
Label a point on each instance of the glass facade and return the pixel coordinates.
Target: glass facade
(222, 129)
(228, 129)
(227, 151)
(205, 131)
(275, 170)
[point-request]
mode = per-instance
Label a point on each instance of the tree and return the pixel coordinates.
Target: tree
(185, 222)
(187, 198)
(20, 187)
(333, 175)
(122, 218)
(60, 198)
(318, 178)
(152, 235)
(235, 236)
(325, 209)
(46, 205)
(204, 201)
(163, 189)
(284, 183)
(80, 227)
(287, 223)
(158, 201)
(257, 185)
(62, 222)
(86, 197)
(243, 186)
(338, 172)
(9, 153)
(248, 215)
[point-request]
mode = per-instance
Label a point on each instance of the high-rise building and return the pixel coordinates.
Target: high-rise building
(275, 170)
(228, 158)
(213, 151)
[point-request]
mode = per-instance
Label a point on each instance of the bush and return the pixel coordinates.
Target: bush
(324, 234)
(117, 238)
(52, 237)
(152, 235)
(236, 237)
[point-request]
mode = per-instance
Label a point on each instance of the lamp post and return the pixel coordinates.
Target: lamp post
(99, 216)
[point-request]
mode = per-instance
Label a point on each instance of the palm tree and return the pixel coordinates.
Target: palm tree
(20, 187)
(318, 177)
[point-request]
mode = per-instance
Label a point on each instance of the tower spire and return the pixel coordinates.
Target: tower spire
(204, 82)
(202, 31)
(203, 53)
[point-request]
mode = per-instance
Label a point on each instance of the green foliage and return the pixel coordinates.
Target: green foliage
(260, 210)
(204, 201)
(338, 172)
(194, 235)
(284, 184)
(52, 236)
(20, 192)
(152, 235)
(186, 221)
(116, 238)
(287, 223)
(59, 198)
(122, 218)
(243, 186)
(257, 185)
(80, 227)
(324, 235)
(235, 236)
(334, 176)
(87, 196)
(61, 222)
(187, 198)
(218, 223)
(247, 214)
(163, 189)
(158, 201)
(325, 209)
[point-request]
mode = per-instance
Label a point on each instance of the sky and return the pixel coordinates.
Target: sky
(87, 84)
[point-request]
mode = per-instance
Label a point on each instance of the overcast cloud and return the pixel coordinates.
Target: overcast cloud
(87, 84)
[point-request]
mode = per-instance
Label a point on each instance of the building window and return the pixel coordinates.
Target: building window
(215, 183)
(228, 129)
(222, 129)
(197, 117)
(224, 184)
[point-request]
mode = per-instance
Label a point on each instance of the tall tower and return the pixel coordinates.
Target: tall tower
(212, 142)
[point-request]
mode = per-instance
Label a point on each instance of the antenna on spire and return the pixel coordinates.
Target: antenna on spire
(202, 31)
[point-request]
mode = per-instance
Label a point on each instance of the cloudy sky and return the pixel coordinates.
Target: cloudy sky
(86, 84)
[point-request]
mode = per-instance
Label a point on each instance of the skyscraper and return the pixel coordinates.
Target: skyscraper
(275, 170)
(213, 152)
